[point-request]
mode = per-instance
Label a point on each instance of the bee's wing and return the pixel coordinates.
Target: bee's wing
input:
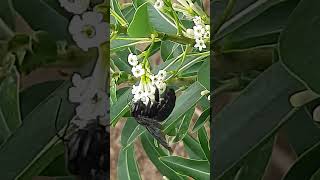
(159, 136)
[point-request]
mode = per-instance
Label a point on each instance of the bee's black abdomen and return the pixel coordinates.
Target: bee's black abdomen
(88, 151)
(151, 115)
(166, 106)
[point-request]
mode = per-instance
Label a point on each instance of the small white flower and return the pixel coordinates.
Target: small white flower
(164, 178)
(135, 89)
(93, 108)
(190, 33)
(197, 20)
(207, 27)
(80, 91)
(205, 92)
(133, 59)
(199, 31)
(150, 89)
(209, 97)
(138, 71)
(90, 31)
(154, 79)
(200, 44)
(161, 86)
(159, 4)
(162, 74)
(75, 6)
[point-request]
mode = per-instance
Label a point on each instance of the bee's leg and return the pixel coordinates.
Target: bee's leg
(158, 135)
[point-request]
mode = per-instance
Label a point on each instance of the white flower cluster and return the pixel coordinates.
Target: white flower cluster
(200, 32)
(87, 28)
(145, 91)
(91, 100)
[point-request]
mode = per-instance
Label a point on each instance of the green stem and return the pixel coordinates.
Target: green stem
(175, 38)
(118, 18)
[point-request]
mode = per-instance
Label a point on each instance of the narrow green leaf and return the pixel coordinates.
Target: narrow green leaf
(47, 155)
(160, 22)
(154, 153)
(204, 74)
(184, 102)
(299, 42)
(267, 110)
(257, 33)
(204, 142)
(127, 165)
(36, 132)
(7, 13)
(120, 107)
(184, 125)
(115, 5)
(10, 102)
(198, 169)
(50, 20)
(193, 148)
(203, 118)
(306, 165)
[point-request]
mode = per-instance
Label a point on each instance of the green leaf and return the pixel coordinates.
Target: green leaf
(128, 13)
(10, 102)
(120, 107)
(154, 153)
(130, 132)
(116, 7)
(159, 22)
(302, 132)
(140, 25)
(47, 155)
(204, 142)
(193, 148)
(257, 33)
(299, 42)
(183, 103)
(184, 125)
(254, 165)
(306, 165)
(123, 43)
(37, 130)
(203, 118)
(7, 13)
(198, 169)
(138, 3)
(127, 165)
(170, 50)
(204, 74)
(35, 94)
(247, 12)
(268, 111)
(50, 20)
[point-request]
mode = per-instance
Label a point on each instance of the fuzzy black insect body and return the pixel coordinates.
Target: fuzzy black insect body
(152, 114)
(87, 150)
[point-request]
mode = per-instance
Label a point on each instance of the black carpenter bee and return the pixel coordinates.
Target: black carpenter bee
(152, 114)
(86, 150)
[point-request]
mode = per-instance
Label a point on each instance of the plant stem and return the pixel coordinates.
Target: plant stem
(175, 38)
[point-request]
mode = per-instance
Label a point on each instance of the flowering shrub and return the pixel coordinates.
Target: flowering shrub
(157, 46)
